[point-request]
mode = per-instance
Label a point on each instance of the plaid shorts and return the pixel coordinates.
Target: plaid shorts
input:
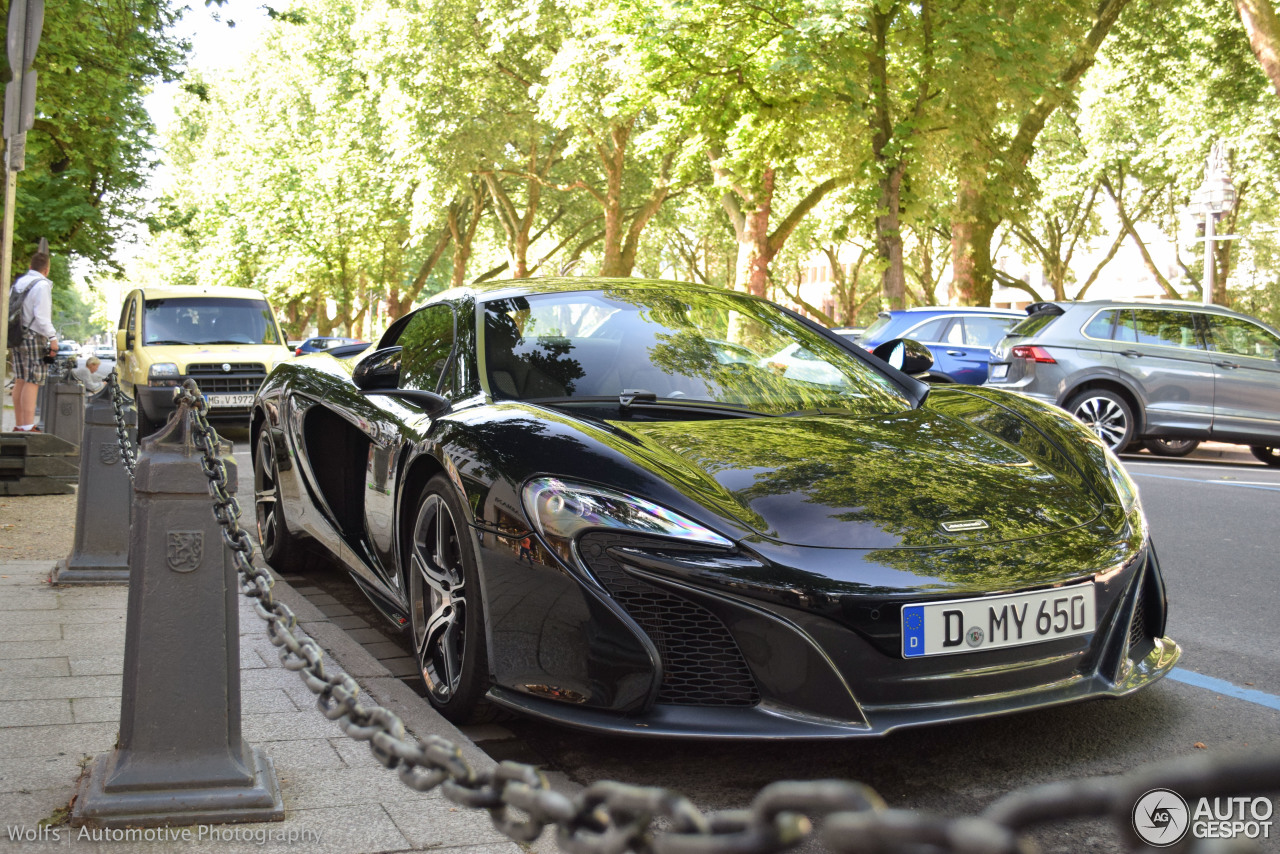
(28, 358)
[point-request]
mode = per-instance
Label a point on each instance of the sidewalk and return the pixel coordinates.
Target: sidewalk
(61, 656)
(61, 665)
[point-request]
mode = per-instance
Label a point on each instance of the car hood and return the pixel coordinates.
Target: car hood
(915, 479)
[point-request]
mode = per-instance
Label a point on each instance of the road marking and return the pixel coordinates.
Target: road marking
(1269, 487)
(1222, 686)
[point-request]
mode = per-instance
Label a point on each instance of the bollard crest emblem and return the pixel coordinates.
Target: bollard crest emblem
(109, 453)
(184, 549)
(65, 408)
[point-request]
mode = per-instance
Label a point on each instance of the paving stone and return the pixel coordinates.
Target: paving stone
(27, 667)
(295, 757)
(439, 823)
(95, 709)
(84, 646)
(27, 713)
(366, 636)
(75, 739)
(351, 622)
(266, 701)
(73, 617)
(385, 649)
(31, 632)
(54, 687)
(112, 666)
(370, 784)
(338, 610)
(294, 726)
(401, 667)
(29, 600)
(31, 773)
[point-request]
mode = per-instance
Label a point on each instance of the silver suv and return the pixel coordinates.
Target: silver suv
(1170, 374)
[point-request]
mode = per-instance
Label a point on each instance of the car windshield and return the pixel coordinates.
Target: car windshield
(686, 346)
(208, 320)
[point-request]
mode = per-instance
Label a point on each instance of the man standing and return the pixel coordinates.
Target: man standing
(39, 339)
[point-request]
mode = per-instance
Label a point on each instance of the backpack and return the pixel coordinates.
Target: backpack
(16, 299)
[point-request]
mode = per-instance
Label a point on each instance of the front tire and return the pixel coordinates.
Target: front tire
(1107, 414)
(1269, 454)
(1171, 447)
(279, 548)
(445, 608)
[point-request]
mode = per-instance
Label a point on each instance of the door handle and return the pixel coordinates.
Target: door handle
(955, 352)
(1132, 354)
(1230, 365)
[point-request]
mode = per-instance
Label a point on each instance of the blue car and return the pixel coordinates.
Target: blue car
(959, 338)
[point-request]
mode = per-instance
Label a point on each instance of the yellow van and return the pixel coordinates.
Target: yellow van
(226, 339)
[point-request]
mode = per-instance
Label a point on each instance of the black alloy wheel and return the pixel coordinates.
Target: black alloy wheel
(1269, 454)
(1106, 414)
(277, 545)
(1171, 447)
(445, 608)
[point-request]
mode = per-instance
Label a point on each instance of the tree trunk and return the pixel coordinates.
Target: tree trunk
(971, 233)
(1263, 28)
(893, 282)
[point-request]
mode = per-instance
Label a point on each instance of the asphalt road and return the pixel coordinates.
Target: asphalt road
(1213, 518)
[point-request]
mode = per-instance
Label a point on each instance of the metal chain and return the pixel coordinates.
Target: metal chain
(119, 403)
(613, 818)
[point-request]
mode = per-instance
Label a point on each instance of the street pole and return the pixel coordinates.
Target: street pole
(6, 266)
(1209, 217)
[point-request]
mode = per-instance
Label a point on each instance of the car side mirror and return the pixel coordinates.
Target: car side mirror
(124, 340)
(379, 373)
(379, 370)
(910, 357)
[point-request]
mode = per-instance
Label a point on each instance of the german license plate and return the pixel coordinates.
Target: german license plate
(243, 401)
(999, 372)
(974, 625)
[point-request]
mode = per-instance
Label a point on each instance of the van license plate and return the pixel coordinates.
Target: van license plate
(244, 401)
(974, 625)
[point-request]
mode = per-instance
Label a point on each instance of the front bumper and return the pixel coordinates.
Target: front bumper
(741, 660)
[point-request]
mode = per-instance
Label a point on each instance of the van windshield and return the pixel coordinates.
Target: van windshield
(208, 320)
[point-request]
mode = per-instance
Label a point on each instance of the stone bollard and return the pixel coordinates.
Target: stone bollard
(103, 501)
(180, 757)
(64, 412)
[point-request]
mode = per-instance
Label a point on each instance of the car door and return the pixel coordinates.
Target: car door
(426, 343)
(966, 351)
(1246, 390)
(1162, 353)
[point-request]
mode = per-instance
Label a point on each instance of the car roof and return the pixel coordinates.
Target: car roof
(1142, 303)
(954, 309)
(504, 288)
(175, 292)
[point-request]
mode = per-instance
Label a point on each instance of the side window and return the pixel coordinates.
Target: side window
(1100, 326)
(427, 341)
(1242, 338)
(930, 330)
(1126, 327)
(986, 331)
(955, 335)
(1167, 328)
(133, 313)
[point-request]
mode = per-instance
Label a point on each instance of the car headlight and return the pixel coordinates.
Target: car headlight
(560, 511)
(163, 374)
(1126, 489)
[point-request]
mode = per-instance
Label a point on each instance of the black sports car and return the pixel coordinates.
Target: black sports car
(603, 503)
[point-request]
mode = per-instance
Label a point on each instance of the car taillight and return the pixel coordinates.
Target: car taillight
(1033, 353)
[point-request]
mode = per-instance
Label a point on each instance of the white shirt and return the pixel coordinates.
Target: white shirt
(91, 381)
(38, 309)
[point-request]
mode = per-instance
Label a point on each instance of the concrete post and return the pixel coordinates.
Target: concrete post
(64, 415)
(103, 501)
(180, 758)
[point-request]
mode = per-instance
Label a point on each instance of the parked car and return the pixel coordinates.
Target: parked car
(960, 338)
(1169, 375)
(582, 506)
(105, 353)
(322, 343)
(226, 339)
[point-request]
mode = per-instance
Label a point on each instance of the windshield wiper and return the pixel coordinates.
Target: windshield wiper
(164, 341)
(642, 400)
